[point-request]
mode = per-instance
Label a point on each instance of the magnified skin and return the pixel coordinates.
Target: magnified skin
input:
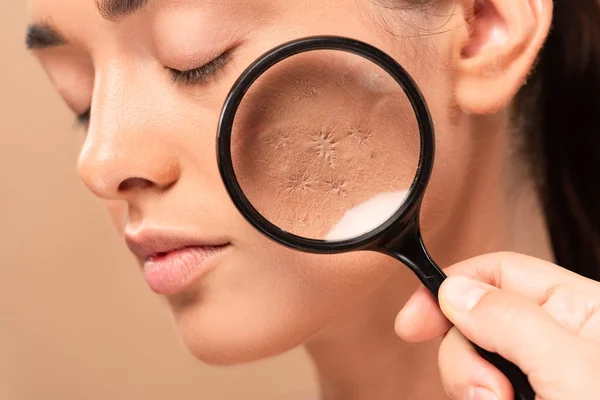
(319, 134)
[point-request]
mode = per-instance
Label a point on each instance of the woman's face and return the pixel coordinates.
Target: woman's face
(149, 153)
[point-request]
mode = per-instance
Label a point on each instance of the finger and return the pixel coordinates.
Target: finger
(506, 323)
(529, 276)
(421, 318)
(576, 309)
(463, 372)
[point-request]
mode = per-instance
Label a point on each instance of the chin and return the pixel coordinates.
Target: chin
(249, 310)
(222, 338)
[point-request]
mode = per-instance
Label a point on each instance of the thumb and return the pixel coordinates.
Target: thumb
(506, 323)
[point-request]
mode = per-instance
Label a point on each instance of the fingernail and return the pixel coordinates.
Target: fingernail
(481, 393)
(463, 293)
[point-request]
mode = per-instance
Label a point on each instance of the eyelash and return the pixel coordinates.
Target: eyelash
(194, 76)
(201, 74)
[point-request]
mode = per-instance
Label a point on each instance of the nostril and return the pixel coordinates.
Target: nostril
(134, 183)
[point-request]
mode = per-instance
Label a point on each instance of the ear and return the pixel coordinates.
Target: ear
(496, 50)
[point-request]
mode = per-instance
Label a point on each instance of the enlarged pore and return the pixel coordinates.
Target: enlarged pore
(343, 79)
(304, 90)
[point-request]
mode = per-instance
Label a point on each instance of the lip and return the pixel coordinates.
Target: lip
(173, 262)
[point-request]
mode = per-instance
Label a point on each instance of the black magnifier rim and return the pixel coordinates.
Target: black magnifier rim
(412, 202)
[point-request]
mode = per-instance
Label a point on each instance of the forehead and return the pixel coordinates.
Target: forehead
(98, 12)
(85, 22)
(62, 12)
(115, 9)
(47, 10)
(68, 17)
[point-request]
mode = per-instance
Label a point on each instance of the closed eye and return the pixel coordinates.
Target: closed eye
(192, 77)
(201, 74)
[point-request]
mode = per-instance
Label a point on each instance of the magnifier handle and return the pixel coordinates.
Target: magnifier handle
(414, 254)
(519, 381)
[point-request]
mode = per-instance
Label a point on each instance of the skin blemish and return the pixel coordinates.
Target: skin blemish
(326, 145)
(298, 182)
(278, 141)
(337, 187)
(361, 135)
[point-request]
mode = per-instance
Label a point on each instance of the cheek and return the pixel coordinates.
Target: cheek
(312, 143)
(270, 299)
(453, 178)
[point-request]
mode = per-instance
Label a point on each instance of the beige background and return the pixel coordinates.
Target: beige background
(76, 319)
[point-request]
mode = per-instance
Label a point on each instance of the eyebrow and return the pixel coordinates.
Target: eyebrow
(116, 9)
(41, 36)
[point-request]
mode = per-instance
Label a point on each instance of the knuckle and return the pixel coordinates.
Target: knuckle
(576, 309)
(504, 264)
(590, 329)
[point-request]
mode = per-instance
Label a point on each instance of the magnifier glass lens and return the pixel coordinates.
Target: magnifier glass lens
(325, 145)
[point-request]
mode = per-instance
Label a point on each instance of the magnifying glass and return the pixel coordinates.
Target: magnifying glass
(326, 145)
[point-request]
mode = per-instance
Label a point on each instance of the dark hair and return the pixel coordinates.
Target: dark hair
(560, 105)
(557, 113)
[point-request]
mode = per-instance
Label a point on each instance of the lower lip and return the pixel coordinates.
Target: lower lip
(172, 272)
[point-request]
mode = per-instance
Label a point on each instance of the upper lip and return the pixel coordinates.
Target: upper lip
(148, 244)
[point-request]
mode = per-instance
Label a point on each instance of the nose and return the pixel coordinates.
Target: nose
(116, 169)
(129, 149)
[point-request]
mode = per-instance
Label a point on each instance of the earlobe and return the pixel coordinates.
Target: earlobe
(496, 51)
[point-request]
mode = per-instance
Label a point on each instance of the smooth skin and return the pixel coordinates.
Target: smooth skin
(538, 315)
